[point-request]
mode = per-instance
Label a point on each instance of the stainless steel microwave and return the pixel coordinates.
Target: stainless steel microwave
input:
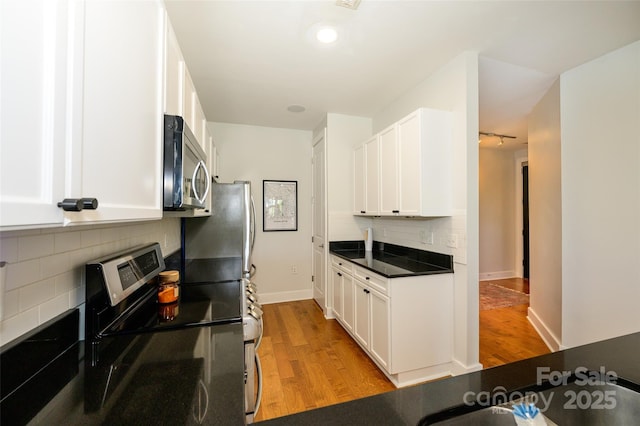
(186, 178)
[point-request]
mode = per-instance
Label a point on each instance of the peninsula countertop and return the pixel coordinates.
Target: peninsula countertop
(393, 261)
(413, 405)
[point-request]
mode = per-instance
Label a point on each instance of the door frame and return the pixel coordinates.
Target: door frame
(520, 161)
(320, 137)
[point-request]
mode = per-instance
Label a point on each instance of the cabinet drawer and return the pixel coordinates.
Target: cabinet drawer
(374, 280)
(342, 264)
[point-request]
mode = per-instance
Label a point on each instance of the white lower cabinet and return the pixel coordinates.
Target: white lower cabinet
(337, 289)
(348, 302)
(372, 322)
(404, 324)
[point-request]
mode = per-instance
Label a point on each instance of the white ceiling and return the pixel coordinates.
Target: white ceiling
(250, 60)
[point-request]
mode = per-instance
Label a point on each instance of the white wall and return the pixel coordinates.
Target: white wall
(44, 271)
(600, 120)
(545, 218)
(256, 153)
(497, 216)
(454, 87)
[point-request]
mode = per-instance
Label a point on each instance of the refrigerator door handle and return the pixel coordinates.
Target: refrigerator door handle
(253, 223)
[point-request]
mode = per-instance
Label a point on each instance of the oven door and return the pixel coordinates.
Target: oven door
(253, 381)
(189, 376)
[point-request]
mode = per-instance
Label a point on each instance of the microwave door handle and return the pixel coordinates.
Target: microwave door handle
(208, 180)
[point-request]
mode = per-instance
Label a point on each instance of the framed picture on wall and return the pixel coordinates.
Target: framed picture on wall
(280, 205)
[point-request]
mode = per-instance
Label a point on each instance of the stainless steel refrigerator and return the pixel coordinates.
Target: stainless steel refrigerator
(229, 231)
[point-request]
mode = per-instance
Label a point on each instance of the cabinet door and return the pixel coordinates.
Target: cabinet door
(348, 302)
(372, 176)
(34, 101)
(379, 343)
(173, 74)
(336, 288)
(118, 159)
(359, 187)
(188, 101)
(361, 326)
(409, 164)
(199, 122)
(389, 171)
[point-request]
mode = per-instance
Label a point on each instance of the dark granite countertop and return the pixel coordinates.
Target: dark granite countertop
(393, 261)
(408, 406)
(159, 380)
(166, 372)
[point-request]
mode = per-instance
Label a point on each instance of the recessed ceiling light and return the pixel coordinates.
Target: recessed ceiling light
(296, 108)
(327, 35)
(349, 4)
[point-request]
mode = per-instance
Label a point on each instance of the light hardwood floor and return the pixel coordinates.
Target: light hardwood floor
(505, 334)
(310, 362)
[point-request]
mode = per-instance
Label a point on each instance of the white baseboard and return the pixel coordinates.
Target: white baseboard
(458, 368)
(499, 275)
(285, 296)
(546, 335)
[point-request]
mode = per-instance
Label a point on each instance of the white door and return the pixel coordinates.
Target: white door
(319, 223)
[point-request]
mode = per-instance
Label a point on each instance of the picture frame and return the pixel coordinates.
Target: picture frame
(279, 205)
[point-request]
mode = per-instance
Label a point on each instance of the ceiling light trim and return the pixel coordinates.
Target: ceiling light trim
(349, 4)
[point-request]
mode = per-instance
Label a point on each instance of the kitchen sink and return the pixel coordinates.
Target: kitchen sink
(574, 403)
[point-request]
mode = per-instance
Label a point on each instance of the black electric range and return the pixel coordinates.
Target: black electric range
(141, 362)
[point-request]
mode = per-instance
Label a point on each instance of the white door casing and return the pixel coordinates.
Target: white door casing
(319, 222)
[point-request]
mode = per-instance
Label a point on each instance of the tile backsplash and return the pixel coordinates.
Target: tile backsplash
(43, 268)
(447, 235)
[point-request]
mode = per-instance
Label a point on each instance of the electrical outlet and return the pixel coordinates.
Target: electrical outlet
(384, 232)
(452, 241)
(429, 237)
(294, 269)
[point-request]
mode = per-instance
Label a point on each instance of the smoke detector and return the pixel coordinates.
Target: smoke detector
(349, 4)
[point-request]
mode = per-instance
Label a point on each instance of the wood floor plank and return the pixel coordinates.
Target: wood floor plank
(292, 325)
(273, 397)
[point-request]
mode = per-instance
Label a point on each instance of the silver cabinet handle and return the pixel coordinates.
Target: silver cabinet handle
(321, 246)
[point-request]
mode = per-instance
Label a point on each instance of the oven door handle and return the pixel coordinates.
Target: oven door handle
(259, 374)
(201, 414)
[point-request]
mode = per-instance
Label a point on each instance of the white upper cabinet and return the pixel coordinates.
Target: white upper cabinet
(173, 74)
(116, 154)
(424, 163)
(389, 170)
(188, 104)
(81, 111)
(359, 188)
(372, 175)
(192, 110)
(35, 76)
(366, 177)
(410, 173)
